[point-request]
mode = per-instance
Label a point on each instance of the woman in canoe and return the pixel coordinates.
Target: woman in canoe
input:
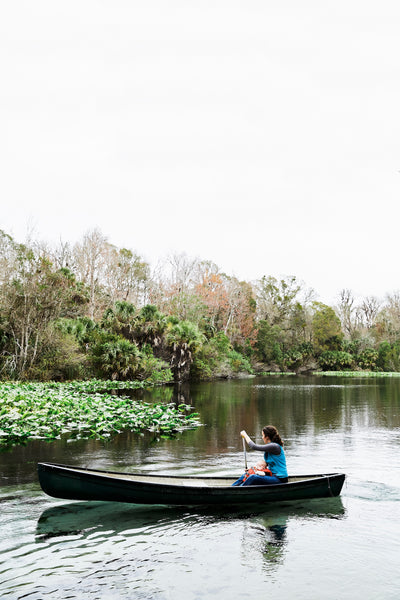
(274, 456)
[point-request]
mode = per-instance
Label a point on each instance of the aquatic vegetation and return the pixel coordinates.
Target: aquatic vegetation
(84, 410)
(356, 374)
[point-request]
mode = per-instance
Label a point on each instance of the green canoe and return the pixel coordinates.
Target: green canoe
(75, 483)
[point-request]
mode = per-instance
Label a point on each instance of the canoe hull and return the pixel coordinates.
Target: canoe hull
(62, 481)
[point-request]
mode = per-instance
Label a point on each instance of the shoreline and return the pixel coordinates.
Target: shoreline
(364, 374)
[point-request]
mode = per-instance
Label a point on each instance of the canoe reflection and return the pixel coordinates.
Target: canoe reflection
(85, 518)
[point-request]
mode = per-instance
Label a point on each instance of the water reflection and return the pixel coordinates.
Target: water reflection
(267, 534)
(62, 549)
(82, 516)
(264, 532)
(309, 412)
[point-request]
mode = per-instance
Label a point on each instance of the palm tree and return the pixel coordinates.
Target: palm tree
(149, 327)
(183, 338)
(121, 319)
(118, 359)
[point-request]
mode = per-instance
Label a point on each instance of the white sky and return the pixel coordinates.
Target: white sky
(264, 136)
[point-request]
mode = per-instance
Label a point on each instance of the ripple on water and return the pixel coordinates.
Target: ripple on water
(342, 547)
(373, 491)
(83, 549)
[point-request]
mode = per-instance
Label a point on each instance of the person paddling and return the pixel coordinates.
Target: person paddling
(274, 456)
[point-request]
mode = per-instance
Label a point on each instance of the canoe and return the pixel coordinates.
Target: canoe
(76, 483)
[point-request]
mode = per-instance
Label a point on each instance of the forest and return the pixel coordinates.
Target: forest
(93, 310)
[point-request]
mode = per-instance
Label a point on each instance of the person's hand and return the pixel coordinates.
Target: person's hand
(245, 436)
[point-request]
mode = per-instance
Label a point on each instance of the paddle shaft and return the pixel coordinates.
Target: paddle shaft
(245, 456)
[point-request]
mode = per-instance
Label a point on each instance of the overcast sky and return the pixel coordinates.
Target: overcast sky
(264, 136)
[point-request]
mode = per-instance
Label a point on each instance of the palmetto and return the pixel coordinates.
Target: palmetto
(183, 339)
(118, 358)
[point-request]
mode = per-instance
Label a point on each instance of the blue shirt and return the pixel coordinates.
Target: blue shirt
(274, 456)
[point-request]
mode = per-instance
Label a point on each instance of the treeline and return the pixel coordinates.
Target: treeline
(95, 310)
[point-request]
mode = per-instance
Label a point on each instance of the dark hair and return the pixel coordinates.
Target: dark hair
(272, 432)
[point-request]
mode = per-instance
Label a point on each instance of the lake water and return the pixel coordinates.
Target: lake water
(346, 547)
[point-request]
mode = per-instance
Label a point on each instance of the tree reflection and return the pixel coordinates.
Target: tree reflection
(309, 412)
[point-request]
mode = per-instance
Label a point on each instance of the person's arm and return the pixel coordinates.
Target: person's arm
(272, 447)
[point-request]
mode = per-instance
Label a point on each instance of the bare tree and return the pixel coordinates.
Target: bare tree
(127, 276)
(388, 319)
(393, 307)
(63, 256)
(90, 259)
(346, 311)
(172, 286)
(182, 270)
(368, 311)
(8, 257)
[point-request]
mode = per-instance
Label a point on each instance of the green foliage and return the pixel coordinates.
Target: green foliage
(183, 339)
(389, 356)
(184, 334)
(297, 324)
(368, 359)
(204, 364)
(124, 347)
(239, 363)
(207, 359)
(326, 327)
(61, 358)
(211, 324)
(149, 327)
(216, 357)
(120, 319)
(31, 299)
(293, 360)
(153, 369)
(117, 358)
(277, 298)
(221, 343)
(150, 314)
(268, 344)
(335, 342)
(333, 360)
(298, 357)
(277, 354)
(82, 329)
(351, 346)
